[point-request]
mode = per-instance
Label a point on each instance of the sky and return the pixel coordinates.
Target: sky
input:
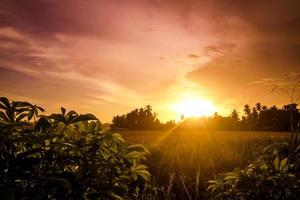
(108, 57)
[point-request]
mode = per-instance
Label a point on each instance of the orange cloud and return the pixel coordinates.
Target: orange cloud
(108, 57)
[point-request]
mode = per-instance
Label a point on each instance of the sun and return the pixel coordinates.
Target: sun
(194, 108)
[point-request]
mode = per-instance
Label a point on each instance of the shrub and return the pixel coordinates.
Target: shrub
(65, 156)
(274, 175)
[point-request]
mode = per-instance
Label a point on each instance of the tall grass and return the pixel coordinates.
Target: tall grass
(194, 156)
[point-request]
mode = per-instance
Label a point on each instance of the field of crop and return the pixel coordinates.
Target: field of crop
(184, 160)
(69, 156)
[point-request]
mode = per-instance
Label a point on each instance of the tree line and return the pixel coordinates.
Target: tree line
(253, 118)
(272, 118)
(140, 118)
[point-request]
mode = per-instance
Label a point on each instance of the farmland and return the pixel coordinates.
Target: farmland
(68, 155)
(191, 157)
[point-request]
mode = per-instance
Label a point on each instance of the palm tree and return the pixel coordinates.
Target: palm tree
(247, 110)
(258, 107)
(234, 115)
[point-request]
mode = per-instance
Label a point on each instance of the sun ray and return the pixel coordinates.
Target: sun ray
(166, 134)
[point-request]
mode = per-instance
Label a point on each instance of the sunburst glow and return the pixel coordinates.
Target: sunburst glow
(194, 108)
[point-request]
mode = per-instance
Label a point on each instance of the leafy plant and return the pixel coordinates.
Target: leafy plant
(275, 173)
(268, 177)
(66, 156)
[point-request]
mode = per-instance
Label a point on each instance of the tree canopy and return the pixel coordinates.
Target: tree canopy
(255, 118)
(140, 118)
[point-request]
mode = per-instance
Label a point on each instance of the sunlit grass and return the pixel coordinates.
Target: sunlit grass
(197, 155)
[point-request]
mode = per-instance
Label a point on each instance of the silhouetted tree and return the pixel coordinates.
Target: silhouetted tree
(257, 118)
(142, 118)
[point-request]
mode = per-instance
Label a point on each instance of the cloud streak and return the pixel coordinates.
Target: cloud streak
(115, 55)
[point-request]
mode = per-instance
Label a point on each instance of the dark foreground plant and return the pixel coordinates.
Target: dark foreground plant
(266, 178)
(66, 156)
(275, 174)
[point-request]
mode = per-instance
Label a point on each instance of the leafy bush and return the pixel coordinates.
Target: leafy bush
(274, 175)
(66, 156)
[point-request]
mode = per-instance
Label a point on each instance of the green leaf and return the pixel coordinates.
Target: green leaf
(20, 110)
(276, 163)
(212, 182)
(85, 117)
(5, 102)
(144, 175)
(134, 155)
(110, 193)
(137, 147)
(63, 111)
(4, 122)
(58, 118)
(23, 104)
(3, 116)
(98, 125)
(3, 107)
(211, 188)
(71, 115)
(21, 116)
(263, 166)
(28, 153)
(118, 137)
(42, 124)
(30, 115)
(283, 164)
(40, 108)
(10, 114)
(140, 167)
(230, 178)
(94, 126)
(141, 170)
(134, 176)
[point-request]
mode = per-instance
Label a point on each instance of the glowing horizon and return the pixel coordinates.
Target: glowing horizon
(194, 107)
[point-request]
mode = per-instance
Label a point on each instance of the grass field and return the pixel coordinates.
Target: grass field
(188, 158)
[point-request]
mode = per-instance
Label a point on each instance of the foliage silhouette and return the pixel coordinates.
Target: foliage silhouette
(256, 118)
(66, 156)
(268, 177)
(140, 119)
(275, 173)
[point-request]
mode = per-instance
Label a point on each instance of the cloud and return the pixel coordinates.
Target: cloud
(193, 56)
(255, 40)
(231, 72)
(123, 51)
(100, 40)
(47, 18)
(266, 16)
(219, 49)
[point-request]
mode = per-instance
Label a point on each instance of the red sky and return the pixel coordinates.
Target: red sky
(108, 57)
